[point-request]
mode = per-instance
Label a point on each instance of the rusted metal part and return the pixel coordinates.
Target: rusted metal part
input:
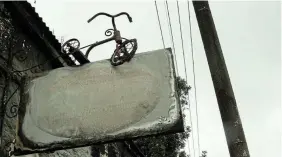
(115, 32)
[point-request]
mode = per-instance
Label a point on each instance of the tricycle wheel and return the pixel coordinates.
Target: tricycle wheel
(124, 53)
(70, 46)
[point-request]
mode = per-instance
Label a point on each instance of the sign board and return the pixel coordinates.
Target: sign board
(96, 103)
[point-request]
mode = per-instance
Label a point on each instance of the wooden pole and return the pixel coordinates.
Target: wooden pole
(233, 128)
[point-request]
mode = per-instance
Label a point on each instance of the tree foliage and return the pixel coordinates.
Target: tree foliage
(183, 154)
(182, 90)
(167, 145)
(204, 154)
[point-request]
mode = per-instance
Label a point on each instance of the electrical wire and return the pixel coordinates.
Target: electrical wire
(180, 28)
(192, 132)
(185, 67)
(194, 75)
(171, 35)
(160, 23)
(189, 147)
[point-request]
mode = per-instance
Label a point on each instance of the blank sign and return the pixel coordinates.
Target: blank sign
(96, 103)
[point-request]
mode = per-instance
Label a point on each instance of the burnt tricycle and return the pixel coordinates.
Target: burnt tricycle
(125, 48)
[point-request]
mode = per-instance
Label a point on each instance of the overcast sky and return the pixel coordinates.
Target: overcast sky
(249, 33)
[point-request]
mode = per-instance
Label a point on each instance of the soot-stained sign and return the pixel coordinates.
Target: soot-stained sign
(96, 103)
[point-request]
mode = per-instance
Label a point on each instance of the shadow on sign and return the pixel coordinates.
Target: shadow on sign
(96, 103)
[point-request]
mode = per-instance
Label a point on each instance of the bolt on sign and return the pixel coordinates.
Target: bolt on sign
(95, 103)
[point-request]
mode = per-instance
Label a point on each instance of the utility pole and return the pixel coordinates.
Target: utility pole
(233, 128)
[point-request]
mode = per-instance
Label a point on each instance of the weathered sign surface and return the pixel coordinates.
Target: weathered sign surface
(78, 106)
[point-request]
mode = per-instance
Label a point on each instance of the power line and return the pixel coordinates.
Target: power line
(192, 132)
(171, 35)
(189, 147)
(180, 28)
(185, 67)
(160, 23)
(194, 75)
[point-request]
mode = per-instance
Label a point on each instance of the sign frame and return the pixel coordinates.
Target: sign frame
(25, 146)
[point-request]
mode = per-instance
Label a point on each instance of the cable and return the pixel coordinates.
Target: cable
(185, 67)
(189, 147)
(171, 35)
(160, 23)
(180, 28)
(194, 75)
(192, 132)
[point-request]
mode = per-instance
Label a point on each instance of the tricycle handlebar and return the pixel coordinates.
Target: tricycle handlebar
(112, 16)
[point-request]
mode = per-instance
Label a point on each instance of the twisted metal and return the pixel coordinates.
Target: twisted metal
(13, 111)
(129, 43)
(109, 32)
(9, 148)
(14, 108)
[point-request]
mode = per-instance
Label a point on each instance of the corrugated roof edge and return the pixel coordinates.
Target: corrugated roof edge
(31, 10)
(43, 26)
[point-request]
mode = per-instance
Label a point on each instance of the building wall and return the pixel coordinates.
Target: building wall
(25, 55)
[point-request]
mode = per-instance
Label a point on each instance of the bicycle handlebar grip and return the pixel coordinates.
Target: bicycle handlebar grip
(130, 19)
(128, 16)
(124, 13)
(88, 21)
